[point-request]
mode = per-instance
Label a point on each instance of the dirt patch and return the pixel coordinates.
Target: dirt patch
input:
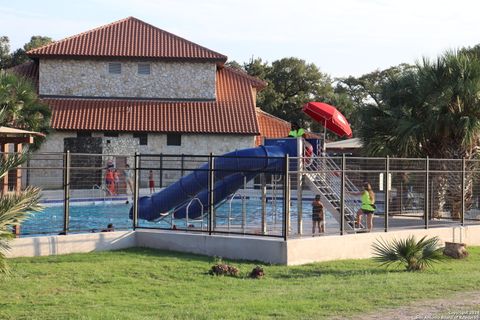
(465, 305)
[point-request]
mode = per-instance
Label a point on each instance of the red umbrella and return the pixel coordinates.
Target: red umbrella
(329, 117)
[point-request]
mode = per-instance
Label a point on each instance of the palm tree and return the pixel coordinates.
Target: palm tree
(413, 255)
(14, 207)
(430, 110)
(23, 109)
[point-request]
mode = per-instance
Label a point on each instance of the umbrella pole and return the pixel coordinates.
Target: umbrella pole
(324, 147)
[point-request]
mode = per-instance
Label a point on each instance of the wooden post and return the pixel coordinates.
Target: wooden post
(5, 150)
(18, 185)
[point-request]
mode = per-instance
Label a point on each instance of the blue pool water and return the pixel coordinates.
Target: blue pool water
(96, 217)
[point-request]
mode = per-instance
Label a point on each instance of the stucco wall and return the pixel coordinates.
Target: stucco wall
(169, 80)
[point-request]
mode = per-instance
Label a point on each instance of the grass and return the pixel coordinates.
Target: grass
(149, 284)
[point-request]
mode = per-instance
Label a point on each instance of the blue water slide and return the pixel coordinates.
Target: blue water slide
(223, 188)
(243, 162)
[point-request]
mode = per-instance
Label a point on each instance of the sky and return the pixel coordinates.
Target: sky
(341, 37)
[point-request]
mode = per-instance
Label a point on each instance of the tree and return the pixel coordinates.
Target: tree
(431, 110)
(19, 56)
(22, 106)
(5, 57)
(14, 207)
(36, 42)
(291, 83)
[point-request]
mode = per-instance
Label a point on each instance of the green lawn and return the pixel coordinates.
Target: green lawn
(148, 284)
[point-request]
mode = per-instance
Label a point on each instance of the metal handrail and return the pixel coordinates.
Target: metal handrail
(331, 181)
(96, 186)
(229, 216)
(188, 207)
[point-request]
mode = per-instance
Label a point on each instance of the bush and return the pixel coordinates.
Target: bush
(223, 269)
(257, 273)
(408, 252)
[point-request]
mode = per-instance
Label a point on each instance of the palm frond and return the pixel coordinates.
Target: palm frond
(414, 255)
(11, 161)
(15, 207)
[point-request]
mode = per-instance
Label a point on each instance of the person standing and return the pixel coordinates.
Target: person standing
(116, 180)
(127, 172)
(109, 181)
(151, 182)
(296, 131)
(318, 215)
(368, 206)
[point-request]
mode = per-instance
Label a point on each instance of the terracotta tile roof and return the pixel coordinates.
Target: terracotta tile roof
(256, 82)
(270, 126)
(274, 127)
(129, 37)
(232, 112)
(28, 70)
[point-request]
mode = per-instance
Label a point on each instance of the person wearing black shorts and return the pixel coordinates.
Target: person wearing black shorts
(318, 215)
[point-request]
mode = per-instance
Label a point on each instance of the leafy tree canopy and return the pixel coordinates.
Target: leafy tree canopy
(431, 109)
(19, 56)
(21, 106)
(292, 82)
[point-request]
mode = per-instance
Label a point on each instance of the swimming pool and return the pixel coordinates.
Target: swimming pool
(89, 217)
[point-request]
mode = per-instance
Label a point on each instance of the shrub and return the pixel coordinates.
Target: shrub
(223, 269)
(257, 272)
(414, 255)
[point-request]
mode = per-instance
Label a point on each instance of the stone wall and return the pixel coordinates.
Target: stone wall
(168, 80)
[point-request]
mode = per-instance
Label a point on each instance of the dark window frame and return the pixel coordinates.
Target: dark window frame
(84, 134)
(174, 139)
(142, 138)
(112, 68)
(111, 134)
(142, 67)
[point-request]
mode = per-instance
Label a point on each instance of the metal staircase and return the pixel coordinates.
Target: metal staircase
(323, 176)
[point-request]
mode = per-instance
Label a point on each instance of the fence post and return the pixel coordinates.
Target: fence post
(211, 186)
(161, 170)
(263, 187)
(342, 198)
(299, 175)
(387, 191)
(136, 189)
(182, 165)
(426, 197)
(462, 221)
(66, 190)
(286, 198)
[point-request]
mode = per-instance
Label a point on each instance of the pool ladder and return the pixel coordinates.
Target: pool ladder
(100, 188)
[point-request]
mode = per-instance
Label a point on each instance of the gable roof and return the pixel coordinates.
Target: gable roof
(130, 38)
(28, 70)
(233, 112)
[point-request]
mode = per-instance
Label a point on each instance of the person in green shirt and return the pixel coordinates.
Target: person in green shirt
(368, 206)
(296, 131)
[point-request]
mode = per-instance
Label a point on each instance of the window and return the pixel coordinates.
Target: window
(143, 138)
(115, 68)
(144, 68)
(84, 134)
(174, 139)
(111, 134)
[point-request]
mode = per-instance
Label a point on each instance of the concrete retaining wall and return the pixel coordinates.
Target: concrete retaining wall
(73, 243)
(269, 250)
(358, 246)
(232, 247)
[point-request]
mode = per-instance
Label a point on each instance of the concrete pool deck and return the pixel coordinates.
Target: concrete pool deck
(294, 251)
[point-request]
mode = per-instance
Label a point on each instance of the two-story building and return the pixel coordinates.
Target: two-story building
(130, 87)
